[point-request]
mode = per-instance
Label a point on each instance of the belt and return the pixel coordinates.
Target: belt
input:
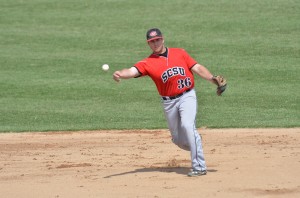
(174, 97)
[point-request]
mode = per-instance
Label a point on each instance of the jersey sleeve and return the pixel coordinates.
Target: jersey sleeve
(188, 59)
(141, 67)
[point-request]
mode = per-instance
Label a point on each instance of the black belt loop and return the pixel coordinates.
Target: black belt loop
(174, 97)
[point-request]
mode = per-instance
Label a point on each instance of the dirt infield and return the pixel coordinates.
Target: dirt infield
(241, 163)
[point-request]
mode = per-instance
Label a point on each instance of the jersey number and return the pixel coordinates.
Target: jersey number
(184, 83)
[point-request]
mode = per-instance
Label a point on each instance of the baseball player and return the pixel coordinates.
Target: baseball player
(172, 71)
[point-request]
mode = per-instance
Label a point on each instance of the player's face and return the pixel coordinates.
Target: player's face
(157, 46)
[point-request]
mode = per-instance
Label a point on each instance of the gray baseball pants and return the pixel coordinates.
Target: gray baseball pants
(181, 117)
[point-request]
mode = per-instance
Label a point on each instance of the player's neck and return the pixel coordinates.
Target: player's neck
(164, 50)
(164, 54)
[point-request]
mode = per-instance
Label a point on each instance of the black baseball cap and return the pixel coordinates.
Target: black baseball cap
(153, 33)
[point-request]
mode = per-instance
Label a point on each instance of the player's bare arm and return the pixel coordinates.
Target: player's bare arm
(125, 74)
(203, 72)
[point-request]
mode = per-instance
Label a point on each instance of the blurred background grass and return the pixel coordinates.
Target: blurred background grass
(51, 53)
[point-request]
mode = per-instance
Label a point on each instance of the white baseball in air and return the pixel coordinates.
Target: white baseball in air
(105, 67)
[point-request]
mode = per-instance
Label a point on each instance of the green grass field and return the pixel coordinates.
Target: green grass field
(51, 53)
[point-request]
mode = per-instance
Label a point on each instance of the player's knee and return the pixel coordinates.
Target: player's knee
(184, 147)
(181, 145)
(175, 141)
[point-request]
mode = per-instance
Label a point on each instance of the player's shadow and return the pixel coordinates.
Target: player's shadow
(178, 170)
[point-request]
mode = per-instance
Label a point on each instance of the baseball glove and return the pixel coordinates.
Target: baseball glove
(220, 81)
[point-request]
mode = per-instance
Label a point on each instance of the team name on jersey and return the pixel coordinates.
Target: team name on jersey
(174, 71)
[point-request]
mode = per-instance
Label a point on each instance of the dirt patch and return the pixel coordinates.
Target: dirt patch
(145, 163)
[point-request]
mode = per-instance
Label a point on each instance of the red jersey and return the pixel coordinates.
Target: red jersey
(172, 75)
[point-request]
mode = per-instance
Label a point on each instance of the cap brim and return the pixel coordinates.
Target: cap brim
(158, 37)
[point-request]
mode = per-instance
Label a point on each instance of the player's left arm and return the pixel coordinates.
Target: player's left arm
(203, 72)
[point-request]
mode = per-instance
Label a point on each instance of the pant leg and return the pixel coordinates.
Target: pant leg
(188, 111)
(172, 115)
(174, 123)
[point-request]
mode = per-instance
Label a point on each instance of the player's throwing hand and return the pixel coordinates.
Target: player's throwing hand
(116, 76)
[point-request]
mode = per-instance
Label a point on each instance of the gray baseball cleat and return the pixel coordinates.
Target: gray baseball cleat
(195, 173)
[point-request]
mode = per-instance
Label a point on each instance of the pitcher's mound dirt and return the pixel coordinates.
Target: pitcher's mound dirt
(145, 163)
